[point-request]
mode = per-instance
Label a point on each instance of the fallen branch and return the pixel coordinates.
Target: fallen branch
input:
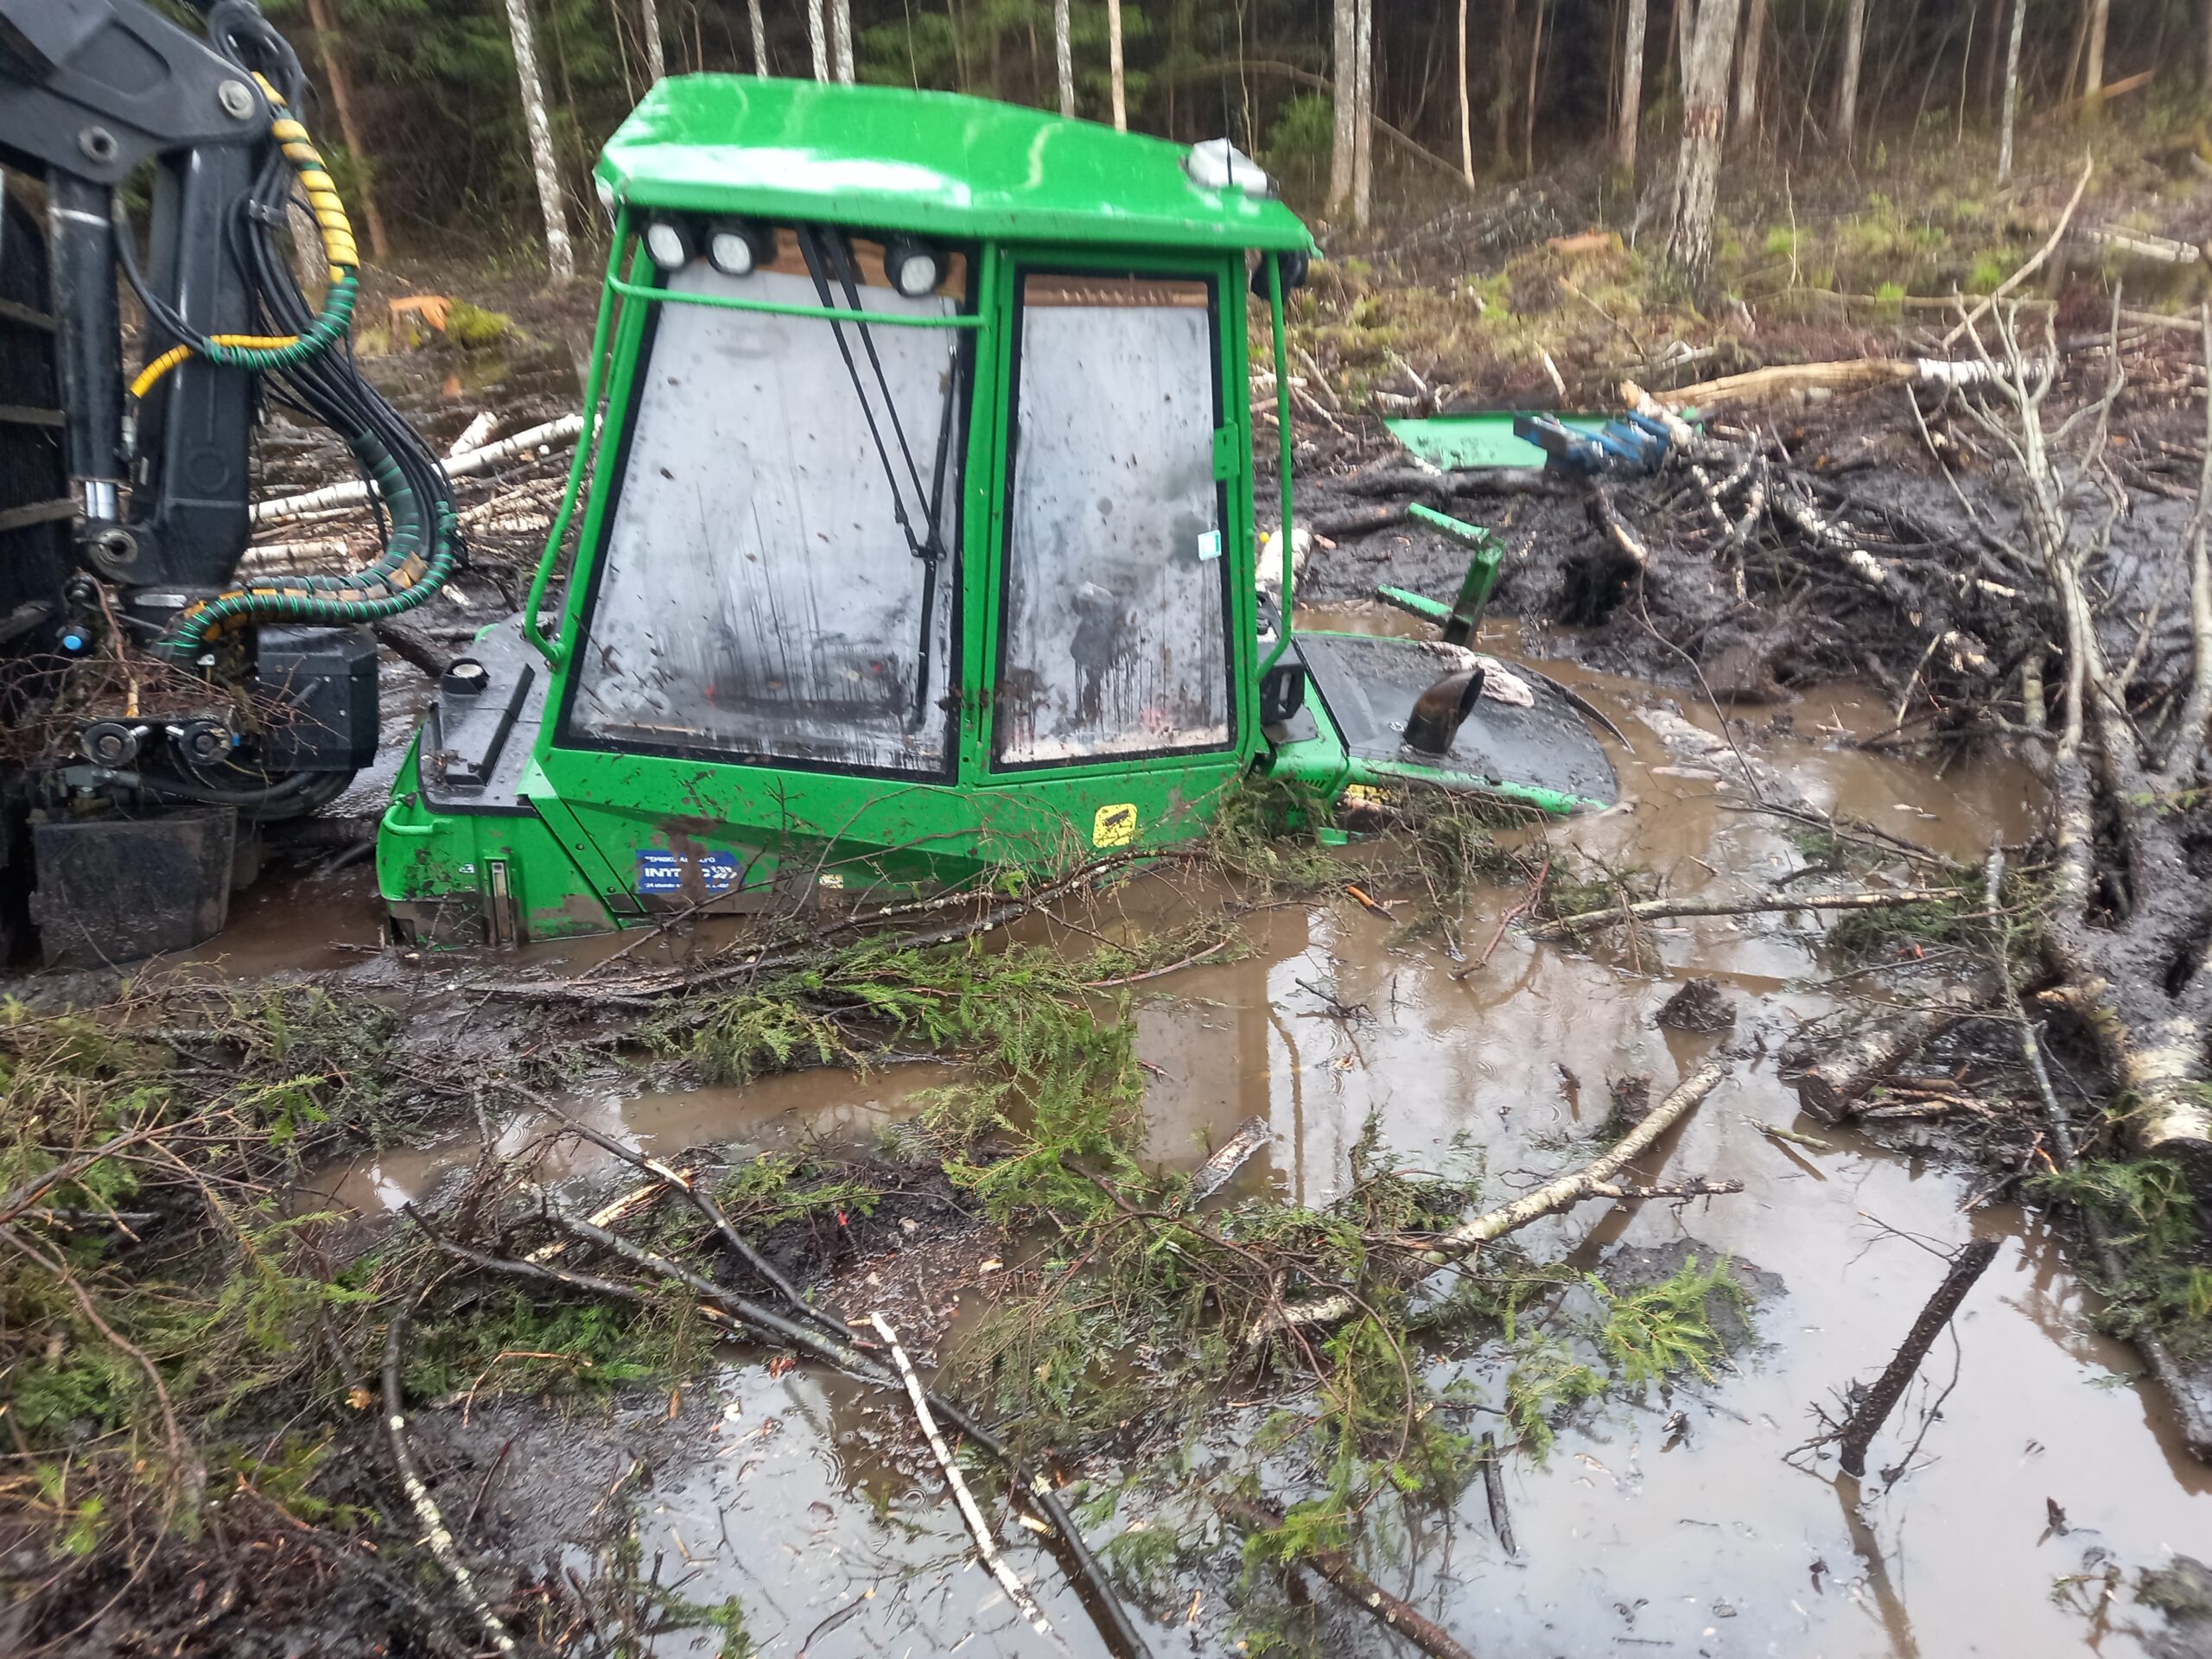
(1661, 909)
(1610, 520)
(1230, 1156)
(1878, 1403)
(426, 1508)
(1592, 1180)
(2162, 250)
(1336, 1567)
(2196, 1426)
(2035, 262)
(1852, 374)
(986, 1546)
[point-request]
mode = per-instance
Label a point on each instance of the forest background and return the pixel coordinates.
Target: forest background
(466, 129)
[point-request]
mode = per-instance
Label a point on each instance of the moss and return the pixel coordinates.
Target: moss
(473, 329)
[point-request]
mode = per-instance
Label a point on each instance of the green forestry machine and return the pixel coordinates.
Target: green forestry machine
(915, 538)
(911, 540)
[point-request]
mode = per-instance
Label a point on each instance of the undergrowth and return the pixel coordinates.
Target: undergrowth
(2148, 1211)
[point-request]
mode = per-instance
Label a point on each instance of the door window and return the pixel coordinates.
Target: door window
(1114, 640)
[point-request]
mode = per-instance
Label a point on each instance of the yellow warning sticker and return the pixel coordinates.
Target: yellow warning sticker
(1114, 826)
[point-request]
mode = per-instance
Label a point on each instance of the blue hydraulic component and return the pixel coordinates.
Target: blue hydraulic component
(1633, 443)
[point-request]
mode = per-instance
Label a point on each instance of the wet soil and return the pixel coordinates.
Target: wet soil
(1669, 1520)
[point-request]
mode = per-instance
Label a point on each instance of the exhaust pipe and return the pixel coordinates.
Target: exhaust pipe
(1440, 711)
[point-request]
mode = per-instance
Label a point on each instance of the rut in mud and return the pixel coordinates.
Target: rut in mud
(1604, 1429)
(1663, 1511)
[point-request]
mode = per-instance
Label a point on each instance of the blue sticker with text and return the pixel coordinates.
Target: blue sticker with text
(659, 871)
(719, 871)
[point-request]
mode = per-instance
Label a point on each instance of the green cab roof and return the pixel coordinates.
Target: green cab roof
(933, 164)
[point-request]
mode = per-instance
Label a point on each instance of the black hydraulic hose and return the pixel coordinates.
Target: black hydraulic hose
(178, 789)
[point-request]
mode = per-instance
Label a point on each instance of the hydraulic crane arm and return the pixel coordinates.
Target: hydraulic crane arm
(90, 90)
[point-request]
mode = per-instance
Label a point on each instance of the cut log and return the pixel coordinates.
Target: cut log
(1830, 1088)
(354, 493)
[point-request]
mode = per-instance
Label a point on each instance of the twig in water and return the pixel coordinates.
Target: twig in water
(1494, 1491)
(986, 1546)
(1438, 1249)
(1658, 909)
(418, 1495)
(1858, 1431)
(1336, 1567)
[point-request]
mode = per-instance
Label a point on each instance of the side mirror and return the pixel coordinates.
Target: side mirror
(1282, 693)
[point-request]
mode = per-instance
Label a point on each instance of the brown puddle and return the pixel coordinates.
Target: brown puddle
(795, 1493)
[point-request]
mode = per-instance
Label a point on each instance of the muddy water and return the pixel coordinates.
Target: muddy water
(798, 1494)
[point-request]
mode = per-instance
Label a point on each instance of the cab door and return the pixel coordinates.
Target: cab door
(1114, 608)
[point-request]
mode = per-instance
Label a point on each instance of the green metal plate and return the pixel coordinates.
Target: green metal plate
(1457, 442)
(1546, 755)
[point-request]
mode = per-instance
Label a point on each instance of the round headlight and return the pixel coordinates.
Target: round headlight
(914, 269)
(738, 248)
(669, 243)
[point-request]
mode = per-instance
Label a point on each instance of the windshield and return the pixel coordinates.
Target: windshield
(779, 576)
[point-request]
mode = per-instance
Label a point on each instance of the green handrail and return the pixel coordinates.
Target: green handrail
(653, 295)
(1284, 437)
(555, 651)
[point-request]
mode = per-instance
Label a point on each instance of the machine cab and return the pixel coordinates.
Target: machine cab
(911, 540)
(916, 538)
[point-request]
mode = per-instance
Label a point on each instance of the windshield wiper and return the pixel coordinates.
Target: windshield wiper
(826, 255)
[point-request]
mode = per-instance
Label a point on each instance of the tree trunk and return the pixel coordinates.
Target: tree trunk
(656, 54)
(1632, 87)
(2093, 76)
(1684, 22)
(560, 257)
(2012, 90)
(2204, 74)
(1993, 62)
(760, 38)
(841, 36)
(1114, 65)
(1747, 73)
(1345, 59)
(341, 100)
(815, 40)
(1846, 91)
(1704, 102)
(1363, 170)
(1529, 109)
(1466, 117)
(1063, 58)
(1501, 109)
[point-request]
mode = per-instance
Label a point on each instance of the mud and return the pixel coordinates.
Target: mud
(1670, 1520)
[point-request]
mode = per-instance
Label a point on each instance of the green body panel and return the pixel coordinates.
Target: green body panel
(1457, 441)
(933, 163)
(571, 851)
